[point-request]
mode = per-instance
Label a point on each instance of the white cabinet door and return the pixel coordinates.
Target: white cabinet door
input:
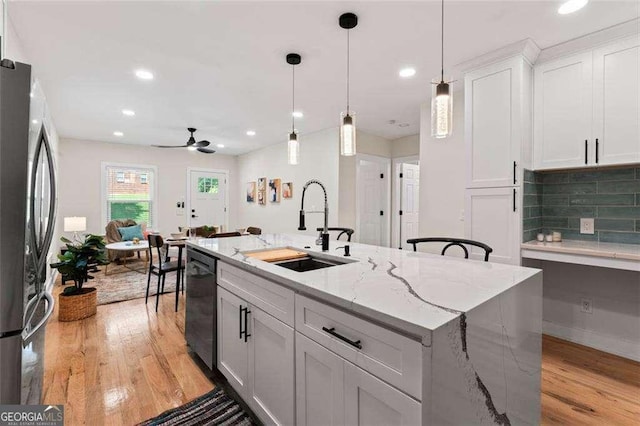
(492, 217)
(616, 99)
(493, 129)
(271, 369)
(563, 101)
(232, 349)
(319, 385)
(370, 401)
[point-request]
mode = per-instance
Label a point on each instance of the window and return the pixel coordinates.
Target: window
(129, 193)
(208, 185)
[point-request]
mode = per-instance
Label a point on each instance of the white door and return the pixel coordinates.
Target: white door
(492, 217)
(271, 369)
(563, 113)
(372, 205)
(370, 401)
(493, 132)
(232, 349)
(409, 202)
(207, 198)
(319, 385)
(616, 99)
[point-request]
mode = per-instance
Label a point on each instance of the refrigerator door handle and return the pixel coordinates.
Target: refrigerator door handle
(29, 333)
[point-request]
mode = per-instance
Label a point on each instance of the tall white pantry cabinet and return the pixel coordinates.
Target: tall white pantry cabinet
(498, 120)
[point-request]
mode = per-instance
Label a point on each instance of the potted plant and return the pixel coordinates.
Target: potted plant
(76, 301)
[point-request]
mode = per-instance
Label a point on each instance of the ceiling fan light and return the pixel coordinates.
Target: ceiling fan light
(192, 148)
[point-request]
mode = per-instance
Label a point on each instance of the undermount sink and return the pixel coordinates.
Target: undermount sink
(309, 263)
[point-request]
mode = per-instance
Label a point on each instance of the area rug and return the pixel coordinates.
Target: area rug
(213, 408)
(127, 285)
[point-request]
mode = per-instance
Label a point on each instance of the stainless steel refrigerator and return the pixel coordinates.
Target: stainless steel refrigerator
(27, 220)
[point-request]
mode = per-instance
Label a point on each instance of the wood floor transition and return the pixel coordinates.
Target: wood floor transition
(128, 364)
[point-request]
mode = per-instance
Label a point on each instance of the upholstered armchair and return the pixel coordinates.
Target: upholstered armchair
(113, 236)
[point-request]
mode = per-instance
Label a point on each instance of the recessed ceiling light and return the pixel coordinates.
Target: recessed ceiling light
(572, 6)
(407, 72)
(220, 145)
(128, 112)
(144, 75)
(34, 121)
(118, 134)
(251, 132)
(31, 94)
(297, 114)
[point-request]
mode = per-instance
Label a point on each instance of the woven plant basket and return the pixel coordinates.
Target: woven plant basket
(77, 306)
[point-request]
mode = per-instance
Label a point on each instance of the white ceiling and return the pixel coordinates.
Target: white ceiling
(220, 66)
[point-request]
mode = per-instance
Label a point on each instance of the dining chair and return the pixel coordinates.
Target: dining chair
(342, 231)
(451, 242)
(226, 235)
(161, 268)
(254, 231)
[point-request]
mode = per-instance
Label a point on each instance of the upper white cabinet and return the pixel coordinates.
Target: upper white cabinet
(495, 101)
(563, 113)
(587, 108)
(616, 102)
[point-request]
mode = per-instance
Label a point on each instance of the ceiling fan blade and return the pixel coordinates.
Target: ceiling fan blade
(206, 150)
(169, 146)
(202, 144)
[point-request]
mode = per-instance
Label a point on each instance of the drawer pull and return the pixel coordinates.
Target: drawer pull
(332, 331)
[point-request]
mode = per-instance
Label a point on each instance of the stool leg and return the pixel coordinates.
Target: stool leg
(158, 293)
(146, 297)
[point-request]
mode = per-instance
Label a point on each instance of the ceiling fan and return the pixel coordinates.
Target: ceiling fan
(192, 144)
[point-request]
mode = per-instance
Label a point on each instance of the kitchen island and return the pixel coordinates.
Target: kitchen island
(389, 337)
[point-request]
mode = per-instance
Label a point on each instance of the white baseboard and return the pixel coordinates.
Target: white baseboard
(612, 345)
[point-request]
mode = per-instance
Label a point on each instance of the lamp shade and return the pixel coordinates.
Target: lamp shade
(75, 224)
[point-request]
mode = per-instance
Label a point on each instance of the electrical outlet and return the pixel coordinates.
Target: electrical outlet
(586, 306)
(586, 226)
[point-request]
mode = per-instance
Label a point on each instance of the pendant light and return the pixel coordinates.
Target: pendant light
(441, 97)
(347, 118)
(293, 149)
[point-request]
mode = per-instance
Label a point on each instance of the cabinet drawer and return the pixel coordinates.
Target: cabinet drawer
(272, 298)
(392, 357)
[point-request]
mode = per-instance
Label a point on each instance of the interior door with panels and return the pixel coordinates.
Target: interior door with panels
(319, 385)
(616, 97)
(563, 104)
(370, 401)
(493, 132)
(492, 217)
(232, 349)
(271, 368)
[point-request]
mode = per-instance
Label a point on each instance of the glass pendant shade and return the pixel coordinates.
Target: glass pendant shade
(347, 134)
(294, 149)
(441, 109)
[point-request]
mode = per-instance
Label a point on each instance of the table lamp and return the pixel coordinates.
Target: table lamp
(75, 224)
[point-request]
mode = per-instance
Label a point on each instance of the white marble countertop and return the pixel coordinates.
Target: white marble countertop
(588, 248)
(414, 292)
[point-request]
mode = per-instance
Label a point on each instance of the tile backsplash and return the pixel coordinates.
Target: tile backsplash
(555, 201)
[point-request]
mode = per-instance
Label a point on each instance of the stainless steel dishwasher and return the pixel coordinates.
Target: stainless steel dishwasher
(200, 318)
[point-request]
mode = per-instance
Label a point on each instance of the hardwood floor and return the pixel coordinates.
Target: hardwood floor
(122, 366)
(584, 386)
(128, 364)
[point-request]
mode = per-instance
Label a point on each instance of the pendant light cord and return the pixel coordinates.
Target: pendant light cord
(293, 98)
(442, 43)
(348, 60)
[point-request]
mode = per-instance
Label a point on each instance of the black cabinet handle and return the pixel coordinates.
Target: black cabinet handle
(514, 199)
(586, 151)
(514, 172)
(240, 320)
(332, 331)
(597, 149)
(246, 323)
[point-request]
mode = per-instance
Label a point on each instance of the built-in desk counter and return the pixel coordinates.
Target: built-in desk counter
(606, 255)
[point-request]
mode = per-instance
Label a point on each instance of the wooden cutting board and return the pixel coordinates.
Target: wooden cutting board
(277, 255)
